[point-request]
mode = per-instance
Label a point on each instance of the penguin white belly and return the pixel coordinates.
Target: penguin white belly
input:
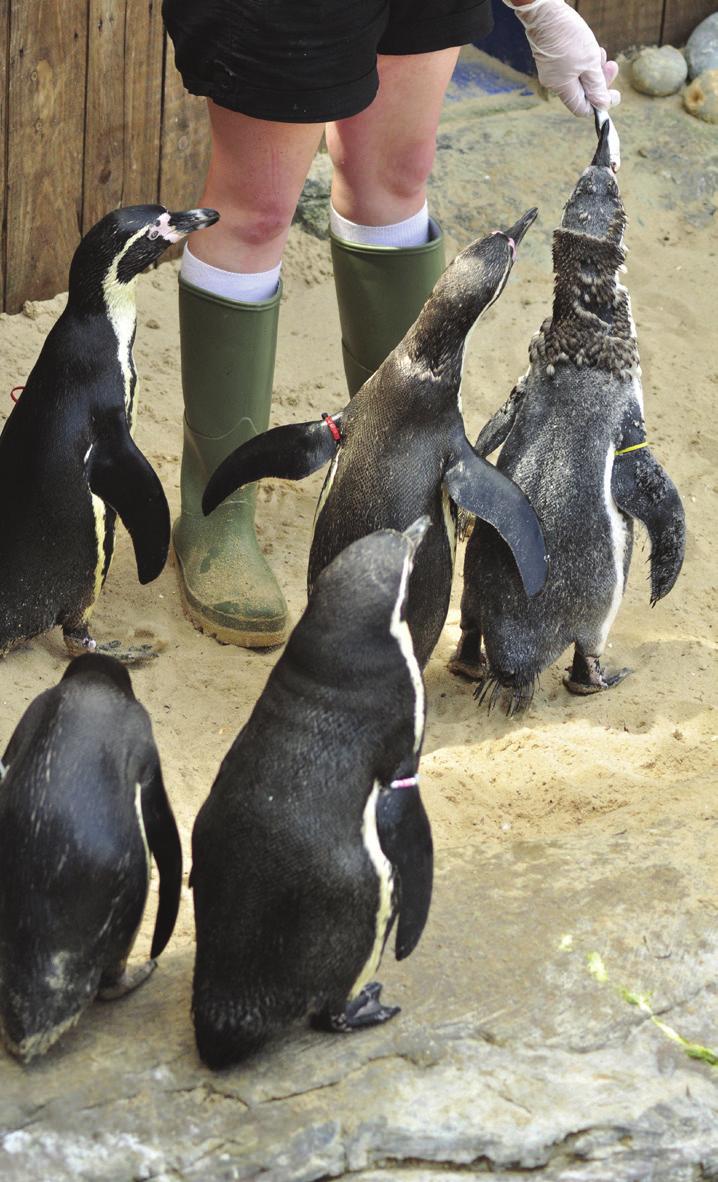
(100, 516)
(400, 631)
(618, 549)
(449, 524)
(384, 873)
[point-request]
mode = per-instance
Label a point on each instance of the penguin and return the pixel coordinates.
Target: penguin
(82, 804)
(572, 436)
(399, 449)
(314, 841)
(68, 463)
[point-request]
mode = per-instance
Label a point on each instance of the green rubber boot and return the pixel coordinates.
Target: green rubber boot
(380, 292)
(228, 350)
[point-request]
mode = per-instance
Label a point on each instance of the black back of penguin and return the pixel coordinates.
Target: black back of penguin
(286, 892)
(81, 798)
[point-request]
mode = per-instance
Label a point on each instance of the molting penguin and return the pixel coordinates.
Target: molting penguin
(314, 840)
(574, 440)
(81, 801)
(68, 463)
(399, 449)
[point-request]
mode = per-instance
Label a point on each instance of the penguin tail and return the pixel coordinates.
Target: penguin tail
(514, 690)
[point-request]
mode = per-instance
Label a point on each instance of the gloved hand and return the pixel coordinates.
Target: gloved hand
(568, 57)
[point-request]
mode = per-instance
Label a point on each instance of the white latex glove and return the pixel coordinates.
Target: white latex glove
(568, 58)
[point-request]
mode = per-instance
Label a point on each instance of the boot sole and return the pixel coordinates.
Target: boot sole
(240, 637)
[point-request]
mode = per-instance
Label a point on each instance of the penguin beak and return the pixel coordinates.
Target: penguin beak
(189, 220)
(415, 533)
(602, 158)
(517, 231)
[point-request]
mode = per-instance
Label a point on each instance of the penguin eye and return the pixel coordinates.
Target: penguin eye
(153, 233)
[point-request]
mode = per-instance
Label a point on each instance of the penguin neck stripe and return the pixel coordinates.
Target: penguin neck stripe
(510, 241)
(634, 447)
(334, 430)
(409, 782)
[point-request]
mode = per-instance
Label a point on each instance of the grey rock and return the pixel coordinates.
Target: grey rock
(312, 212)
(659, 71)
(701, 97)
(508, 1057)
(702, 47)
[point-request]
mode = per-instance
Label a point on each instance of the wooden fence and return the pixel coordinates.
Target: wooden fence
(94, 116)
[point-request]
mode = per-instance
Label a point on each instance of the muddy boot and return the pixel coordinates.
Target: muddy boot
(380, 292)
(228, 349)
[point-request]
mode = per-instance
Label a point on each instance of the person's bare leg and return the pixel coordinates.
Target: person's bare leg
(256, 173)
(383, 156)
(229, 307)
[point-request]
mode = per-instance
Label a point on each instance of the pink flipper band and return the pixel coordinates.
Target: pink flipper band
(510, 241)
(14, 392)
(335, 432)
(409, 782)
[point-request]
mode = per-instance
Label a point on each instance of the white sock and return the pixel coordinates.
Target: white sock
(414, 231)
(245, 287)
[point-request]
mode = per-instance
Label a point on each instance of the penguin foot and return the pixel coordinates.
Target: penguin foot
(468, 660)
(114, 985)
(472, 670)
(586, 676)
(79, 641)
(363, 1010)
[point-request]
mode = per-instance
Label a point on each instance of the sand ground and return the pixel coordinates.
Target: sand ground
(643, 752)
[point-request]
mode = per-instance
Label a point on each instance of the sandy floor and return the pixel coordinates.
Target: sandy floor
(640, 757)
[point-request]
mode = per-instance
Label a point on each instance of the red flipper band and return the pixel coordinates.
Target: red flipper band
(335, 432)
(14, 389)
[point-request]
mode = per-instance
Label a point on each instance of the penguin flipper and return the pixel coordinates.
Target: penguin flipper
(119, 474)
(497, 429)
(405, 837)
(478, 486)
(641, 488)
(291, 453)
(163, 840)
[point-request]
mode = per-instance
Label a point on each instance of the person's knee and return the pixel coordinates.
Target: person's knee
(251, 226)
(404, 174)
(400, 174)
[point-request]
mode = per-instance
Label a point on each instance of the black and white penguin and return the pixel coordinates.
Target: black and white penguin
(68, 463)
(574, 440)
(399, 449)
(314, 839)
(82, 804)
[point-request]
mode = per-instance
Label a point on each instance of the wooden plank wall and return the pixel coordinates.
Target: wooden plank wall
(93, 115)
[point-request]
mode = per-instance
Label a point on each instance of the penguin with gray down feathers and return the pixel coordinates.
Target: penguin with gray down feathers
(399, 449)
(82, 804)
(68, 463)
(313, 841)
(574, 440)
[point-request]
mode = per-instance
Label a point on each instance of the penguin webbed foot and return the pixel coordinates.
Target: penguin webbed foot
(364, 1010)
(120, 981)
(79, 641)
(468, 661)
(586, 676)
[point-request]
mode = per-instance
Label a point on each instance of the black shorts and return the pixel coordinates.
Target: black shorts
(307, 61)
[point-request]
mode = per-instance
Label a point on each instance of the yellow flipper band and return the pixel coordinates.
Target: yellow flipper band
(634, 447)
